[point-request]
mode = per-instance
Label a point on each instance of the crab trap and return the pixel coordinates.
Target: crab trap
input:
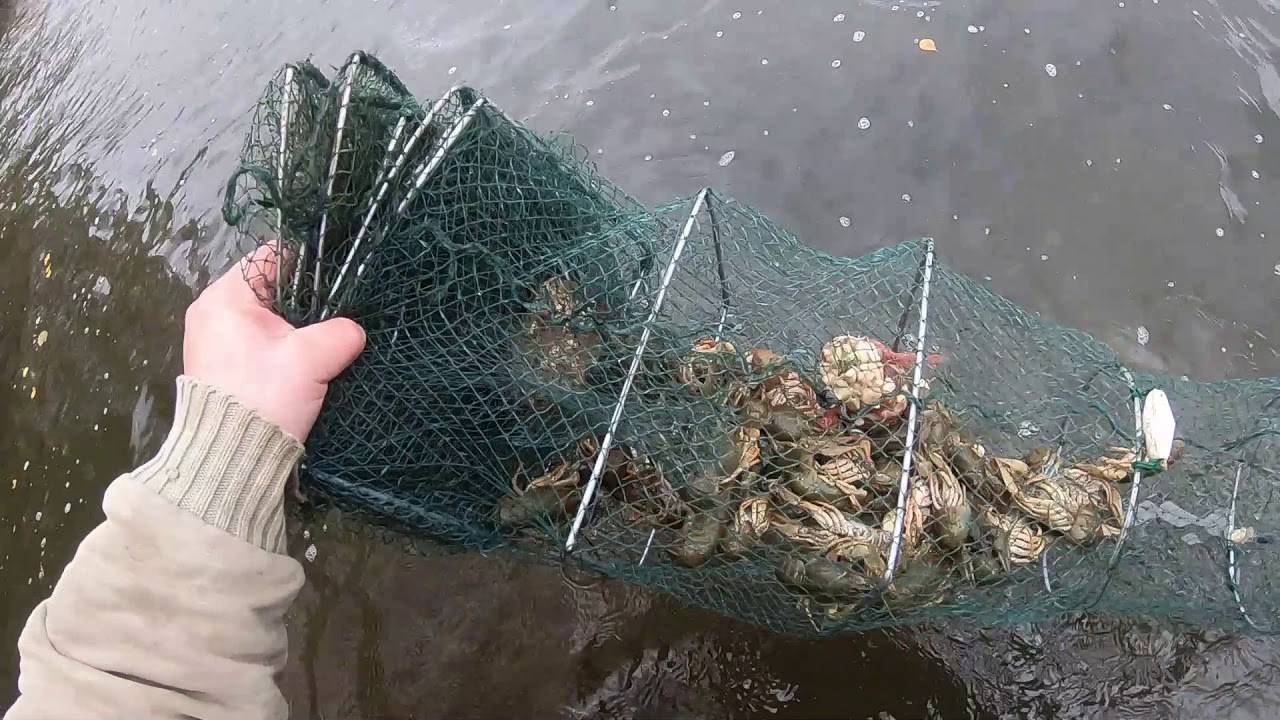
(691, 400)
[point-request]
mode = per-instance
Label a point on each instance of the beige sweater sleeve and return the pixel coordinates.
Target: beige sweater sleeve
(174, 606)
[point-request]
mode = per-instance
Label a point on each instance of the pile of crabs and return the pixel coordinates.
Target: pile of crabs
(809, 475)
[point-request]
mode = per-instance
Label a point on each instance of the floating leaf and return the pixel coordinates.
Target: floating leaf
(927, 45)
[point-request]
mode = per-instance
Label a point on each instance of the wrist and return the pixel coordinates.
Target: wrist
(225, 464)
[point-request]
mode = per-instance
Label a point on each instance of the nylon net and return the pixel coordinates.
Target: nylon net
(689, 399)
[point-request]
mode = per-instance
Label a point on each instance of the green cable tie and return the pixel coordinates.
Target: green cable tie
(1150, 467)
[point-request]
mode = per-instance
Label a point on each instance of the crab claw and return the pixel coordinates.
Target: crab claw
(829, 419)
(905, 359)
(890, 412)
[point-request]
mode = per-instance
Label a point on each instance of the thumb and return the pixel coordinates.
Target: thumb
(329, 347)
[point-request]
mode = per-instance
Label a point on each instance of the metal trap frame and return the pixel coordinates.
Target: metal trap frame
(418, 145)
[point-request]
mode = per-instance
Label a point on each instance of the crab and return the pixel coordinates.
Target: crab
(753, 515)
(738, 456)
(750, 522)
(888, 475)
(786, 389)
(710, 366)
(552, 493)
(1062, 505)
(563, 475)
(698, 538)
(831, 470)
(1104, 494)
(747, 449)
(1010, 472)
(916, 513)
(560, 296)
(845, 463)
(1115, 466)
(782, 401)
(829, 517)
(1045, 460)
(978, 472)
(952, 514)
(809, 538)
(1018, 541)
(638, 481)
(560, 353)
(863, 544)
(936, 425)
(851, 549)
(821, 576)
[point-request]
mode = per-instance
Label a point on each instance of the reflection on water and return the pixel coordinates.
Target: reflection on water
(1127, 193)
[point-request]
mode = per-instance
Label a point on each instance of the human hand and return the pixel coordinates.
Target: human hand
(234, 342)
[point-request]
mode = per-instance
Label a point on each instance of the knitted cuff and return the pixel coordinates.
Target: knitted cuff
(224, 464)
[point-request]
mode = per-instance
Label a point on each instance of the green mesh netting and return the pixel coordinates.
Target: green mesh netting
(755, 395)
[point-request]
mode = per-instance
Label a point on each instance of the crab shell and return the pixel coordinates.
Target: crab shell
(846, 465)
(1062, 505)
(560, 353)
(562, 475)
(944, 489)
(828, 517)
(1116, 466)
(788, 389)
(761, 360)
(854, 371)
(753, 516)
(916, 508)
(708, 365)
(1011, 472)
(1104, 494)
(1018, 541)
(745, 452)
(849, 549)
(561, 296)
(807, 537)
(846, 470)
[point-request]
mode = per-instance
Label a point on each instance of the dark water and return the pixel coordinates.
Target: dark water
(1130, 187)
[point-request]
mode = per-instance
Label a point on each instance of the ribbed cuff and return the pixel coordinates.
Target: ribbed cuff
(225, 465)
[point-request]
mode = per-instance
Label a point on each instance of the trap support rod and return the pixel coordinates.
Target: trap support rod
(286, 107)
(1137, 475)
(385, 187)
(353, 66)
(382, 181)
(904, 482)
(605, 445)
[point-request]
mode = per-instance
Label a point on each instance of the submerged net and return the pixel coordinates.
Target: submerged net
(691, 400)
